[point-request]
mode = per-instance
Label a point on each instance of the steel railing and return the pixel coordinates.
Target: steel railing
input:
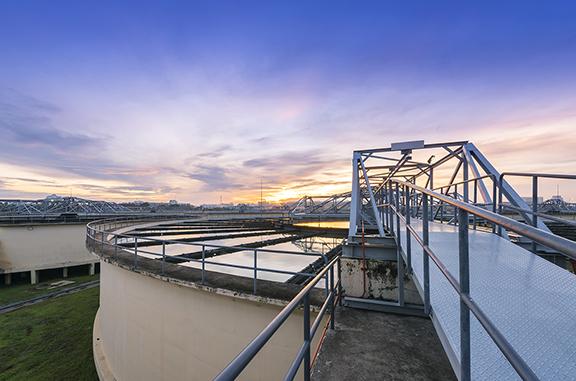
(535, 189)
(475, 182)
(103, 234)
(398, 203)
(236, 366)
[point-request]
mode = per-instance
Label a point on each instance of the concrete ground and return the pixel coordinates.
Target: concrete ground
(370, 345)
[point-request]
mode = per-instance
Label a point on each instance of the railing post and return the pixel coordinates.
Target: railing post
(431, 186)
(306, 319)
(499, 229)
(466, 184)
(441, 212)
(399, 260)
(408, 240)
(203, 262)
(339, 272)
(163, 255)
(390, 198)
(388, 202)
(475, 201)
(115, 245)
(380, 202)
(135, 252)
(384, 196)
(534, 208)
(464, 268)
(494, 200)
(425, 259)
(332, 293)
(255, 270)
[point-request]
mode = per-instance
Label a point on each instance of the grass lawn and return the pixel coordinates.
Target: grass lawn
(17, 292)
(51, 340)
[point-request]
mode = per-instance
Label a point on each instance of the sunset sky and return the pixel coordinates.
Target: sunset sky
(196, 100)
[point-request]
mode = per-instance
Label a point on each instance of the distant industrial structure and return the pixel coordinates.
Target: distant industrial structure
(69, 208)
(47, 236)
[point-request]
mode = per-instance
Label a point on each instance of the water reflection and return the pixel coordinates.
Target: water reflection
(181, 248)
(275, 261)
(294, 263)
(325, 224)
(320, 245)
(206, 234)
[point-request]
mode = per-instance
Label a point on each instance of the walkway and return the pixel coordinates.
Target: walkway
(530, 300)
(369, 345)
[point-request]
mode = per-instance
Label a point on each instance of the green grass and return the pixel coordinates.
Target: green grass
(17, 292)
(51, 340)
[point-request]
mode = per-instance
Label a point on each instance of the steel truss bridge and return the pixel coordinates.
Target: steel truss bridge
(71, 208)
(58, 206)
(500, 310)
(337, 206)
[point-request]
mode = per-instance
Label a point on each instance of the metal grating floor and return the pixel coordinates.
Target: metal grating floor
(531, 301)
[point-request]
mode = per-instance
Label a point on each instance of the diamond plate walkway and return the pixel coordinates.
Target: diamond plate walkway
(529, 299)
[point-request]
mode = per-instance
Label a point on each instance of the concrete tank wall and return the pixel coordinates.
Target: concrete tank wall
(150, 329)
(43, 246)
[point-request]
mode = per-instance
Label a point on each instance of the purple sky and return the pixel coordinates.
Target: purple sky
(193, 101)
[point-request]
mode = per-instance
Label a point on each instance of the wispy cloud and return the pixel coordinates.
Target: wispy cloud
(128, 190)
(28, 180)
(32, 140)
(290, 164)
(29, 136)
(214, 178)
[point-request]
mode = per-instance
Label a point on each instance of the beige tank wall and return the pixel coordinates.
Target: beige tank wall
(150, 329)
(36, 247)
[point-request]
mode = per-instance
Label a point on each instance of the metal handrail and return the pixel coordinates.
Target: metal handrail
(263, 269)
(544, 216)
(237, 365)
(472, 180)
(545, 175)
(201, 244)
(107, 237)
(563, 245)
(534, 212)
(467, 304)
(515, 360)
